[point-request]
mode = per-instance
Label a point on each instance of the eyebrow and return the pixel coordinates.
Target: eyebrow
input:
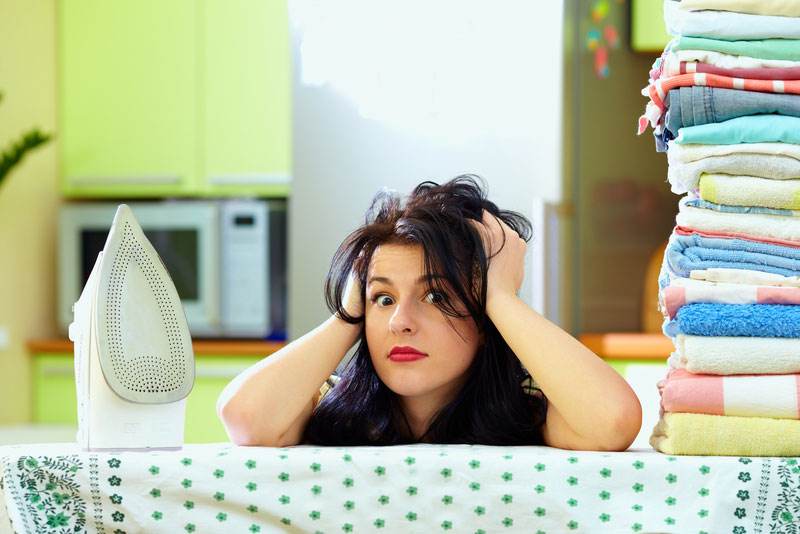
(422, 279)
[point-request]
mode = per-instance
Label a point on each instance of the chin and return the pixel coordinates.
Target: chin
(406, 382)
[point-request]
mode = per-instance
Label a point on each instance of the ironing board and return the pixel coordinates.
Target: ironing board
(416, 488)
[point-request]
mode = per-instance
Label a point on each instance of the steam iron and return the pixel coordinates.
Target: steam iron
(134, 365)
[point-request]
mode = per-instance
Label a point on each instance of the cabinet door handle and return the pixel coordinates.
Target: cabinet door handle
(125, 180)
(61, 370)
(249, 179)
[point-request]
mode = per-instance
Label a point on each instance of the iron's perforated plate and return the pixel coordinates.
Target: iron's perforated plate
(143, 338)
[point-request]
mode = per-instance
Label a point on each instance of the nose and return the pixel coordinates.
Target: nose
(402, 320)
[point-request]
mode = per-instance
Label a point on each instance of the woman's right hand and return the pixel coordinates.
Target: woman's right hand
(352, 301)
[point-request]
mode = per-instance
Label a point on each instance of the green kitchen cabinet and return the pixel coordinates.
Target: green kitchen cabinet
(128, 97)
(54, 397)
(246, 98)
(184, 98)
(212, 374)
(648, 32)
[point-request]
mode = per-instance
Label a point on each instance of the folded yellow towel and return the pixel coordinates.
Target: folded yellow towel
(725, 435)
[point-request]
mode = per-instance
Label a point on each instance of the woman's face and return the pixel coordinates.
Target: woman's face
(401, 312)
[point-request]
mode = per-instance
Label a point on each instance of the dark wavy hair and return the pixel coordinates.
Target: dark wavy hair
(491, 408)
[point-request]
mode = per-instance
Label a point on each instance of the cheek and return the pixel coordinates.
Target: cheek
(461, 343)
(461, 332)
(374, 327)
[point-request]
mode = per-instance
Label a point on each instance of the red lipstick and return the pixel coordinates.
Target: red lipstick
(405, 354)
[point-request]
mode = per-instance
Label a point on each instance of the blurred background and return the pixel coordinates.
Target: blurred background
(251, 135)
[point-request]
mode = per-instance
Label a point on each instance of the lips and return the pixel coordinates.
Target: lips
(405, 354)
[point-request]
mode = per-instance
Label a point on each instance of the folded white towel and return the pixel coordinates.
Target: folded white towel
(736, 355)
(678, 153)
(782, 8)
(744, 276)
(758, 226)
(685, 176)
(727, 25)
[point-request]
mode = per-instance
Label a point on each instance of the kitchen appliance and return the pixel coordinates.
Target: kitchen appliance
(134, 365)
(227, 259)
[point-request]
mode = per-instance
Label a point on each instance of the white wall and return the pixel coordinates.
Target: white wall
(29, 197)
(391, 94)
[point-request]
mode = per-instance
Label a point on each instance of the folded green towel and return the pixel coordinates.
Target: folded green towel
(750, 191)
(786, 49)
(749, 129)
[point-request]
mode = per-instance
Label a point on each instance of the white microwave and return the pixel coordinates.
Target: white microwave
(227, 259)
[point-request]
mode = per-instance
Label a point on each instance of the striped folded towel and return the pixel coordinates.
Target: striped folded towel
(741, 395)
(741, 276)
(682, 291)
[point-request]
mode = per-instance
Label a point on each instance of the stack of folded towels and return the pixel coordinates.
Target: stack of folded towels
(725, 106)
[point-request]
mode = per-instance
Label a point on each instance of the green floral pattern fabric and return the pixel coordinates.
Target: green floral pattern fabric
(417, 488)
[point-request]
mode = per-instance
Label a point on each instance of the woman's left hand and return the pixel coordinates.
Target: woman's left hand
(506, 265)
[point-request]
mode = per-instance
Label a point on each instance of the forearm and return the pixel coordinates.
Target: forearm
(593, 399)
(264, 400)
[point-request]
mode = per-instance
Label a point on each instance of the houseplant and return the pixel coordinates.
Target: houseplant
(12, 155)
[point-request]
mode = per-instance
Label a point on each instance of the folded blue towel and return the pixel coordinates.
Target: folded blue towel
(740, 320)
(686, 253)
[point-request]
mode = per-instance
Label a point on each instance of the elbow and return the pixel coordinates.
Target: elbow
(625, 426)
(237, 423)
(230, 414)
(242, 427)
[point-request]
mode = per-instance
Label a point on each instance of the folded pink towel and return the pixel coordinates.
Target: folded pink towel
(682, 291)
(741, 395)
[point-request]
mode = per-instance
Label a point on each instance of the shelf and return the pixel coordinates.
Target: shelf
(217, 347)
(628, 345)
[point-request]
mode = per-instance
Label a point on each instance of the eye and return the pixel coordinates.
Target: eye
(381, 300)
(435, 297)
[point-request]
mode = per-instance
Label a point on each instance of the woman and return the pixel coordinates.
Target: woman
(446, 351)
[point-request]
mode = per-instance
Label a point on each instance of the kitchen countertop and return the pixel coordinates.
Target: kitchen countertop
(217, 347)
(628, 345)
(607, 345)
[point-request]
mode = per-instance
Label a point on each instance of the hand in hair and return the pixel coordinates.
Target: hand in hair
(505, 250)
(353, 300)
(561, 364)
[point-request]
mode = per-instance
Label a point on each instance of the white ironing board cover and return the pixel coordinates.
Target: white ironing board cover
(415, 488)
